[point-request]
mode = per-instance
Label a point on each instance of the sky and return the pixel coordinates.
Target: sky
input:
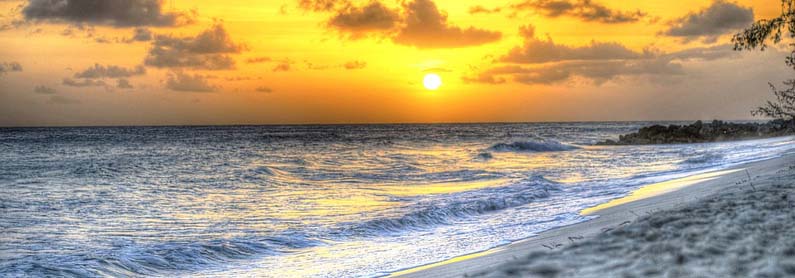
(149, 62)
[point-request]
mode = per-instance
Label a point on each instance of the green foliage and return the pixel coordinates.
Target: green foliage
(784, 106)
(757, 36)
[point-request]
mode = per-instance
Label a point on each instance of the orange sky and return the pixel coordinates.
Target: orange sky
(335, 61)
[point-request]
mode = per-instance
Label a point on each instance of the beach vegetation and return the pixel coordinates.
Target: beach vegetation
(758, 36)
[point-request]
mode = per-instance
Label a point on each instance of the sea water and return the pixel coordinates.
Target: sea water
(311, 201)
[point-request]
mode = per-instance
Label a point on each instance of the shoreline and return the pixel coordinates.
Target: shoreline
(611, 215)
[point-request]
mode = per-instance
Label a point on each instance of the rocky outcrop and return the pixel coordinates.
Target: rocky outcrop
(700, 132)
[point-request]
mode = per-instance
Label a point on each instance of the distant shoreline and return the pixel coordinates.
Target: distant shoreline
(700, 132)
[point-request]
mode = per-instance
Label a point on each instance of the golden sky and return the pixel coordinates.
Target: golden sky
(148, 62)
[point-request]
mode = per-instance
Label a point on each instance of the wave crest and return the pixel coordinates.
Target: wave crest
(458, 206)
(545, 145)
(703, 158)
(165, 259)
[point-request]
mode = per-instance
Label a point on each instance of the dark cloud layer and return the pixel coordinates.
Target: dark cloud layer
(427, 27)
(719, 18)
(208, 50)
(118, 13)
(109, 71)
(182, 82)
(586, 10)
(535, 50)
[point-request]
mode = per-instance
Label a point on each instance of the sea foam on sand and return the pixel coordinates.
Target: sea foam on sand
(737, 222)
(746, 229)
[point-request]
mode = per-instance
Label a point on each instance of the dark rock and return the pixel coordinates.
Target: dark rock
(700, 132)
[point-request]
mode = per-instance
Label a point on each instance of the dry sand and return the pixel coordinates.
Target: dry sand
(718, 224)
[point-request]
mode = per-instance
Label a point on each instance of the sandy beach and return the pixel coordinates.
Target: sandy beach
(733, 222)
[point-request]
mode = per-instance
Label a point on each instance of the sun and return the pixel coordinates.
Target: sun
(432, 81)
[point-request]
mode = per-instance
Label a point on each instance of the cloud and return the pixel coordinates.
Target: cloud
(596, 71)
(99, 71)
(321, 5)
(141, 34)
(541, 51)
(117, 13)
(352, 65)
(178, 81)
(485, 78)
(83, 83)
(417, 23)
(122, 83)
(44, 90)
(242, 78)
(704, 53)
(103, 40)
(360, 21)
(7, 67)
(587, 10)
(285, 66)
(208, 50)
(257, 60)
(478, 9)
(264, 90)
(427, 27)
(543, 62)
(720, 18)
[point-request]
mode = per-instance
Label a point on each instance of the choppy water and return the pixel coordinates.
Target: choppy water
(325, 201)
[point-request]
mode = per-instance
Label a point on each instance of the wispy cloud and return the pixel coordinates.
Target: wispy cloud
(586, 10)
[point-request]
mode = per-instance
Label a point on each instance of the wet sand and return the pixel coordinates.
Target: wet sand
(577, 250)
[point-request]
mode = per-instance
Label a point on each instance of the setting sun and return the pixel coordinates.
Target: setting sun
(432, 81)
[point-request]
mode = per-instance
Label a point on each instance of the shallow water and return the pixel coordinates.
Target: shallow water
(322, 201)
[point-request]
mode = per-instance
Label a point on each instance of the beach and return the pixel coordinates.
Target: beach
(728, 223)
(410, 138)
(308, 201)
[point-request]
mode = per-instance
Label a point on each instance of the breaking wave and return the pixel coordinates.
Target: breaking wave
(446, 210)
(533, 146)
(703, 158)
(162, 259)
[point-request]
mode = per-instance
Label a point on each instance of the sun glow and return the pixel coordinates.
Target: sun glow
(432, 81)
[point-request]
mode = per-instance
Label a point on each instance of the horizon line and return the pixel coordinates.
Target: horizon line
(373, 123)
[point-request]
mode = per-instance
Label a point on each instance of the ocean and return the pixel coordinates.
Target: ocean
(312, 201)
